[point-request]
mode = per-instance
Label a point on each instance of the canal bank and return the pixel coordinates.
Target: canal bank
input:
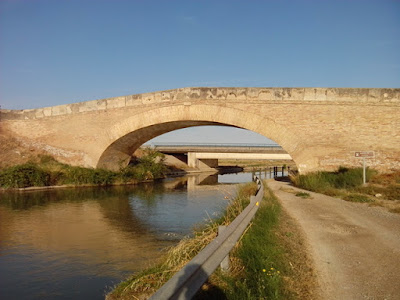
(265, 264)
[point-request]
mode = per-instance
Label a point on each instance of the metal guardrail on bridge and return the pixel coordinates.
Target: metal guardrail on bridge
(220, 148)
(185, 283)
(216, 145)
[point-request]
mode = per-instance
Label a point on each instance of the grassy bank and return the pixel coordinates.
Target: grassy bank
(382, 189)
(49, 172)
(265, 264)
(269, 262)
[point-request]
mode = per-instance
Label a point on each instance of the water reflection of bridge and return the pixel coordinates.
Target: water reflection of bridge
(201, 181)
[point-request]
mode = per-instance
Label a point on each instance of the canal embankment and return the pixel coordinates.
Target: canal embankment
(45, 171)
(265, 263)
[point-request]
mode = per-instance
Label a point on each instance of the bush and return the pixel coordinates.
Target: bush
(51, 172)
(79, 175)
(103, 177)
(24, 176)
(148, 167)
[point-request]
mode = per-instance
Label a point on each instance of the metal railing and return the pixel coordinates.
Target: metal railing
(186, 282)
(211, 145)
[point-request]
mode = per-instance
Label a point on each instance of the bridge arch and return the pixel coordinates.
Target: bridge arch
(123, 138)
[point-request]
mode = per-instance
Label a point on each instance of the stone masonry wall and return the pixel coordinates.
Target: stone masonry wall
(320, 128)
(359, 95)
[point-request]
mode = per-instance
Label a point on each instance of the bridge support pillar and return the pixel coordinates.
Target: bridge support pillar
(204, 163)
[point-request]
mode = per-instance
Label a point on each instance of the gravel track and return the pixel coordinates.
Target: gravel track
(355, 248)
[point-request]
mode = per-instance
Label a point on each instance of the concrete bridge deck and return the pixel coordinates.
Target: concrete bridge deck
(206, 156)
(218, 148)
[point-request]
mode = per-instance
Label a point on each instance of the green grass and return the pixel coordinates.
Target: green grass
(345, 183)
(258, 261)
(25, 175)
(303, 195)
(382, 189)
(327, 182)
(47, 171)
(358, 198)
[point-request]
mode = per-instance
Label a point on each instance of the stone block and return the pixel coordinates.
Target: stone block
(101, 104)
(148, 98)
(332, 94)
(87, 106)
(165, 96)
(133, 100)
(389, 95)
(352, 95)
(47, 111)
(266, 94)
(231, 94)
(221, 93)
(277, 94)
(39, 113)
(209, 93)
(180, 94)
(292, 94)
(315, 94)
(194, 93)
(157, 97)
(241, 94)
(116, 102)
(252, 93)
(59, 110)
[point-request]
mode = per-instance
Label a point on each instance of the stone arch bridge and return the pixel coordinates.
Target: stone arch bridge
(320, 128)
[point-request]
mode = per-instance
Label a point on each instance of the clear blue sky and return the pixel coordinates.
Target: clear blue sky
(62, 51)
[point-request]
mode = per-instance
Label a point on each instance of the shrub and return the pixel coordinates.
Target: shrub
(25, 175)
(103, 177)
(51, 172)
(79, 175)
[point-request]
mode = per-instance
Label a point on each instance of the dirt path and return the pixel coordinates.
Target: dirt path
(355, 248)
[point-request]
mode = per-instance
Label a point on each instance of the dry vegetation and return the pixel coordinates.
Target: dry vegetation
(381, 190)
(14, 152)
(301, 280)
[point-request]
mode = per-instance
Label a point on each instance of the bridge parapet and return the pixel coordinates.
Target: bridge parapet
(375, 96)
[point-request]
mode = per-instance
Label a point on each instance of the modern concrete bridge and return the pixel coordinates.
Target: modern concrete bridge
(320, 128)
(206, 156)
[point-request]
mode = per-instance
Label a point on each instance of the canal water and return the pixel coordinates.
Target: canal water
(79, 243)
